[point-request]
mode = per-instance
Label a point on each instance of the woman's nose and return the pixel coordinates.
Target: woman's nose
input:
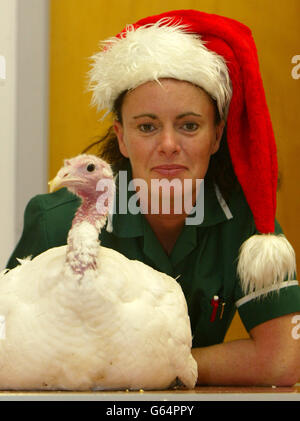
(168, 142)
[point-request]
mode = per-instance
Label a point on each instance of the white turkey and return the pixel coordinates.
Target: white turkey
(84, 317)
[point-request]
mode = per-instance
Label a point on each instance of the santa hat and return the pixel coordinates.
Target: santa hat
(219, 55)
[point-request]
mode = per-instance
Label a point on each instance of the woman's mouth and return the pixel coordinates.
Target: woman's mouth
(169, 170)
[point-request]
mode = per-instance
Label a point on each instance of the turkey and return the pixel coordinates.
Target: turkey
(83, 316)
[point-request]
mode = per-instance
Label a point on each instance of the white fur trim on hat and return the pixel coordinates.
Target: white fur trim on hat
(150, 52)
(265, 260)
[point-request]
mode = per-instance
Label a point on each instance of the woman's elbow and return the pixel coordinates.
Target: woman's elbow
(285, 375)
(287, 379)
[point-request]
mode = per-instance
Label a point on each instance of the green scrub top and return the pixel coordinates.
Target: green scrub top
(203, 260)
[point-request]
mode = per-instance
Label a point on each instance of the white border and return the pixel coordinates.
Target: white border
(263, 291)
(222, 203)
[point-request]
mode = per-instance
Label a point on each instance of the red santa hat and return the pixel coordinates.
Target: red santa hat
(219, 55)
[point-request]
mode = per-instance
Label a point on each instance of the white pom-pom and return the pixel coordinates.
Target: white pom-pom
(265, 260)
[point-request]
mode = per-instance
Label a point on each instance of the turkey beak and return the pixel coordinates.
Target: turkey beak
(55, 183)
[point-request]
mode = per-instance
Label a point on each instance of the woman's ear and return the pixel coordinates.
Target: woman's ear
(119, 131)
(219, 133)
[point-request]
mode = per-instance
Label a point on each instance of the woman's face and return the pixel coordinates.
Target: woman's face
(168, 130)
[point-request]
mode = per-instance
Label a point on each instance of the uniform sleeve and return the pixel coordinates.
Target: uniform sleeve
(34, 239)
(261, 306)
(47, 220)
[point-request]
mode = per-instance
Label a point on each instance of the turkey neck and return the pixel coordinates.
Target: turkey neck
(83, 238)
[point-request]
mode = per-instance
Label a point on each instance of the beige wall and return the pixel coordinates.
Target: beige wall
(8, 35)
(23, 113)
(77, 26)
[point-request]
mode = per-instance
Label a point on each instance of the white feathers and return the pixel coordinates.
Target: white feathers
(84, 317)
(125, 328)
(161, 50)
(265, 260)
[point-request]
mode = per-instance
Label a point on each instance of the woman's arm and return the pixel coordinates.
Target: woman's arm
(271, 356)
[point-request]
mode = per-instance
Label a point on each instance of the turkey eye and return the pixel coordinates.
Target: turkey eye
(91, 167)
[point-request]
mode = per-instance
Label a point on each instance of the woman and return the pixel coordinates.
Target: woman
(184, 92)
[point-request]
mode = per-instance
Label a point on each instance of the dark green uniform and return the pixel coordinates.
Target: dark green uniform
(203, 259)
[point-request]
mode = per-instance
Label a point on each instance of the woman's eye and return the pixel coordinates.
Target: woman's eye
(146, 128)
(190, 127)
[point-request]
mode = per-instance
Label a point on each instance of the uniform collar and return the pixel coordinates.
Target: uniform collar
(216, 210)
(127, 225)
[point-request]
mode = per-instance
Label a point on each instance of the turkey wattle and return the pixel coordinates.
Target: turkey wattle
(83, 316)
